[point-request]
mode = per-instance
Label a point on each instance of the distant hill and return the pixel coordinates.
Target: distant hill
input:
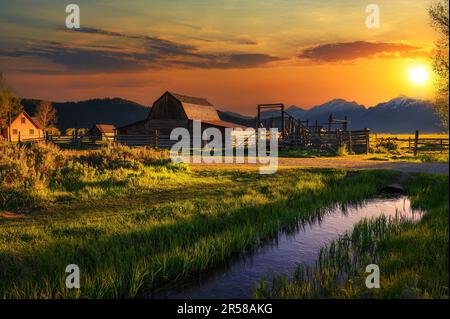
(296, 111)
(236, 118)
(399, 115)
(85, 114)
(339, 108)
(116, 111)
(292, 110)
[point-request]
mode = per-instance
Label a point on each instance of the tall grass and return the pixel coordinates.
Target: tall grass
(413, 257)
(34, 176)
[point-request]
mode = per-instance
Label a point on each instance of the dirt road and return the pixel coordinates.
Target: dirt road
(342, 163)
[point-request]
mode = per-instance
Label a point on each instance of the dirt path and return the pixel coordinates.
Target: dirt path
(342, 163)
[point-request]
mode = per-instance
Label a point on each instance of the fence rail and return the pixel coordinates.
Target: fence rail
(416, 144)
(355, 141)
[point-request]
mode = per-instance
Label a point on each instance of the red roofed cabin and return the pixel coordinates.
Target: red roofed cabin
(102, 132)
(173, 110)
(22, 128)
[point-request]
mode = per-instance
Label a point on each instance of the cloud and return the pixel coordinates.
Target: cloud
(82, 60)
(158, 44)
(230, 61)
(347, 51)
(141, 53)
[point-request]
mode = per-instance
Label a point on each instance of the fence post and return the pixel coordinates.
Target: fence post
(409, 144)
(416, 143)
(350, 144)
(19, 138)
(367, 132)
(156, 138)
(338, 138)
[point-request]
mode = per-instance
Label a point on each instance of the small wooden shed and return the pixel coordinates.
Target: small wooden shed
(102, 132)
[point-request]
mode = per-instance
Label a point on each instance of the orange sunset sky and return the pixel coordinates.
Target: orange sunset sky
(235, 53)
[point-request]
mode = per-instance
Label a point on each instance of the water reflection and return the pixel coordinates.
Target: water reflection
(299, 244)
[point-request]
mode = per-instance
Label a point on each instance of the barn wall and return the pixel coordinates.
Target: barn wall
(167, 108)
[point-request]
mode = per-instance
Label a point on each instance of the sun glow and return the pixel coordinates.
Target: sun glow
(419, 75)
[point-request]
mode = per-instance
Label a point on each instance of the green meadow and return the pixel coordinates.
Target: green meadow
(134, 223)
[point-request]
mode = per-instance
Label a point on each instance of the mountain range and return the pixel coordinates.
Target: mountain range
(399, 115)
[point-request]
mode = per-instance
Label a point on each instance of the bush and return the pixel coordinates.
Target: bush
(386, 146)
(342, 150)
(113, 157)
(29, 172)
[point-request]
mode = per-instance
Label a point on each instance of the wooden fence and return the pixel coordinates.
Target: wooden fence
(355, 141)
(415, 144)
(152, 139)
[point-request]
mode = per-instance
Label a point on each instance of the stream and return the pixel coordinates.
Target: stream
(281, 256)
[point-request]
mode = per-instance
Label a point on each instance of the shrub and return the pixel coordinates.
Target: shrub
(113, 157)
(386, 146)
(342, 150)
(29, 172)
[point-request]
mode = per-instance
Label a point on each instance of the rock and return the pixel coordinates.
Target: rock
(394, 189)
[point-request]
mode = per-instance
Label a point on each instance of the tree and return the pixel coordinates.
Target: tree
(438, 12)
(46, 114)
(10, 105)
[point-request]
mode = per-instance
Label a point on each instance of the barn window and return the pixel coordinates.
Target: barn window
(31, 131)
(22, 120)
(14, 132)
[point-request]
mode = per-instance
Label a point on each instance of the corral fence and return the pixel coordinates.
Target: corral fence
(354, 141)
(415, 144)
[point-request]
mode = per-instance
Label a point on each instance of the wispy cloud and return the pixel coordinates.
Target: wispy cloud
(347, 51)
(142, 53)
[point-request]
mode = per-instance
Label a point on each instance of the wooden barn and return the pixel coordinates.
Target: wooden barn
(174, 110)
(102, 132)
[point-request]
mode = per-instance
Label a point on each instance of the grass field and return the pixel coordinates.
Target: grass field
(133, 222)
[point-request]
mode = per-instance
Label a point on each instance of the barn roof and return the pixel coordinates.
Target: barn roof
(223, 124)
(197, 108)
(105, 128)
(191, 99)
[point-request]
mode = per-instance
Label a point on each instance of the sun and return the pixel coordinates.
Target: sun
(419, 75)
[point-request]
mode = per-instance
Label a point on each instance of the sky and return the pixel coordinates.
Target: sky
(235, 53)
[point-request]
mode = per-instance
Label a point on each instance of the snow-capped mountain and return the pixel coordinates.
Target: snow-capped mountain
(399, 115)
(402, 114)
